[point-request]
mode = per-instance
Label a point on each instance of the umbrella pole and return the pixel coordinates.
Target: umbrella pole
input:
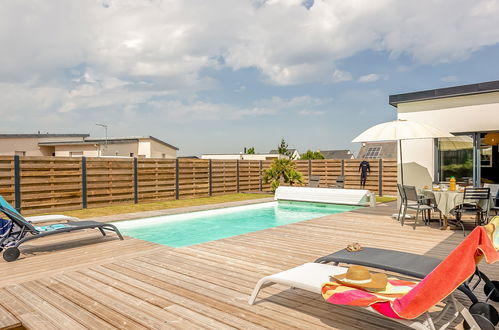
(401, 164)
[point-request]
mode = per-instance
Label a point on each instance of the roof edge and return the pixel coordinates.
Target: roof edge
(454, 91)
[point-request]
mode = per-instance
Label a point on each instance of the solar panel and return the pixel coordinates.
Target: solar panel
(373, 152)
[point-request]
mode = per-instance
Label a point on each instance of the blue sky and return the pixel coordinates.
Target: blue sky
(218, 77)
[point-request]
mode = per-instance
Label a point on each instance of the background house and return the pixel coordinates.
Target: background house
(77, 145)
(294, 153)
(469, 111)
(337, 154)
(376, 150)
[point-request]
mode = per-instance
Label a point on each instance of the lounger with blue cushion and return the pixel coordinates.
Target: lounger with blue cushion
(15, 230)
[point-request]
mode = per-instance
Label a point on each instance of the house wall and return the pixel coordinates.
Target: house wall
(242, 156)
(158, 149)
(88, 150)
(471, 113)
(144, 149)
(8, 146)
(120, 149)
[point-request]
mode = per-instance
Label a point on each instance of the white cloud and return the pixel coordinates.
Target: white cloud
(339, 76)
(369, 78)
(307, 112)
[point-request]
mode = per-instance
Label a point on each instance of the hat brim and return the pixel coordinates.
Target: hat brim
(378, 281)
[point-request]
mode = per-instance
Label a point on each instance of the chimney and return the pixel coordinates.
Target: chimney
(244, 149)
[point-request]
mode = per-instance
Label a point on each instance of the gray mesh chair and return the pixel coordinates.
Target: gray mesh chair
(313, 181)
(494, 194)
(401, 192)
(476, 201)
(415, 202)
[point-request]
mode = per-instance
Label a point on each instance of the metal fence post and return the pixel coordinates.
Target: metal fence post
(17, 183)
(176, 180)
(380, 177)
(237, 175)
(135, 180)
(210, 189)
(261, 167)
(309, 169)
(84, 201)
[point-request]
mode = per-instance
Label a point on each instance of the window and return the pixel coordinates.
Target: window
(373, 152)
(131, 154)
(164, 155)
(455, 158)
(20, 153)
(76, 153)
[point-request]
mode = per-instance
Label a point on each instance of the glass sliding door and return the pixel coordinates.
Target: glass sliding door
(456, 158)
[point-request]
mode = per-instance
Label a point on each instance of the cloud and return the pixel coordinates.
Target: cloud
(369, 78)
(339, 76)
(307, 112)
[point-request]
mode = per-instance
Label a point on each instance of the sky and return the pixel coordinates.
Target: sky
(217, 76)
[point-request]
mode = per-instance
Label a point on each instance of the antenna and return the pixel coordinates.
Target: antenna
(105, 127)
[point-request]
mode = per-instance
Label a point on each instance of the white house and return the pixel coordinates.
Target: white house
(470, 112)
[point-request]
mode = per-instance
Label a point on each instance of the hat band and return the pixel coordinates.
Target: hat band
(356, 281)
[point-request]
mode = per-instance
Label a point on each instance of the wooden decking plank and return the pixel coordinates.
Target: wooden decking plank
(79, 314)
(41, 306)
(24, 313)
(93, 306)
(221, 304)
(135, 279)
(7, 320)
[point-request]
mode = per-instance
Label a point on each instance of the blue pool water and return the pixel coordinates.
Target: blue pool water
(204, 226)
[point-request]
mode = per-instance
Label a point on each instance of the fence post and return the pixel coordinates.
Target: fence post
(17, 183)
(237, 175)
(261, 167)
(380, 177)
(84, 201)
(135, 180)
(309, 169)
(176, 179)
(343, 168)
(210, 189)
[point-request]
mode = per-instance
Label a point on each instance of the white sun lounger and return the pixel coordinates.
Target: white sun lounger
(311, 276)
(325, 195)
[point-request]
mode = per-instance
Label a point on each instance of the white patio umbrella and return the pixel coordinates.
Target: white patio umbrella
(456, 143)
(399, 130)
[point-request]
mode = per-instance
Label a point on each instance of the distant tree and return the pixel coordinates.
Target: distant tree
(282, 149)
(251, 151)
(312, 155)
(282, 171)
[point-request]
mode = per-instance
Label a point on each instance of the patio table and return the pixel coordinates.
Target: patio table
(446, 202)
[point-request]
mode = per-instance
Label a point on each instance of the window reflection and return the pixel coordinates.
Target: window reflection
(456, 158)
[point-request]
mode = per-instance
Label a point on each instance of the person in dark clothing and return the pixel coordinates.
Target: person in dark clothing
(365, 170)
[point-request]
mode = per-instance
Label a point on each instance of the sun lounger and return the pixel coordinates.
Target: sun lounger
(20, 230)
(437, 286)
(311, 277)
(404, 263)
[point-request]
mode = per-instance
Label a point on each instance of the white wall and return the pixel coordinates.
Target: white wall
(144, 148)
(472, 113)
(241, 156)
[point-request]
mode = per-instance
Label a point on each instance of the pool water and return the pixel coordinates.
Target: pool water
(197, 227)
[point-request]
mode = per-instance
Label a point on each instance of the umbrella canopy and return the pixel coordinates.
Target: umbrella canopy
(400, 130)
(456, 143)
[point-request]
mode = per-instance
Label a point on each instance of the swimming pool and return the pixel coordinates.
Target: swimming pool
(197, 227)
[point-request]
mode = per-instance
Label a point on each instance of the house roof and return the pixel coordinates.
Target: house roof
(483, 87)
(128, 139)
(336, 154)
(47, 135)
(388, 149)
(274, 151)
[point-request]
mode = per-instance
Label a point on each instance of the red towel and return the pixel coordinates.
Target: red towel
(459, 265)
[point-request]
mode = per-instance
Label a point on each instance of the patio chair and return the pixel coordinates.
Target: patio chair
(17, 230)
(419, 203)
(475, 201)
(403, 201)
(494, 193)
(313, 181)
(440, 282)
(340, 182)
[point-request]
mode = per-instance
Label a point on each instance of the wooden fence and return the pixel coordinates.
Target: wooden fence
(48, 184)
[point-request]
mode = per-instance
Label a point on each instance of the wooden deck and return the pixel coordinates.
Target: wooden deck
(106, 283)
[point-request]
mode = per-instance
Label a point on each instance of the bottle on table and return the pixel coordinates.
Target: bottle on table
(452, 184)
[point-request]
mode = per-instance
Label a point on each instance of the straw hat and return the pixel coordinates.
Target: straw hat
(359, 276)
